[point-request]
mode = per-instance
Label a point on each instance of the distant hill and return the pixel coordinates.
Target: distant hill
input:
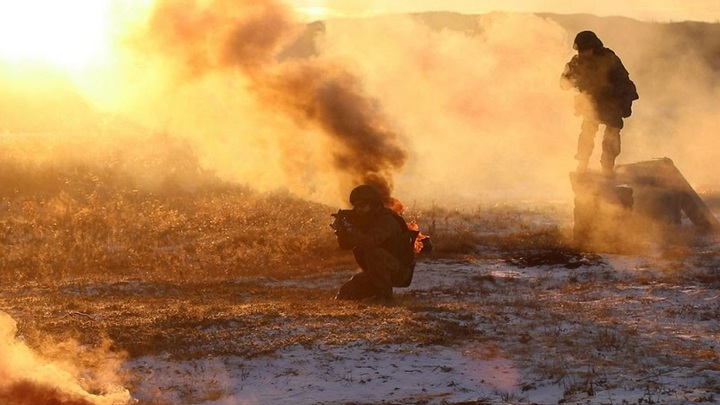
(697, 38)
(662, 40)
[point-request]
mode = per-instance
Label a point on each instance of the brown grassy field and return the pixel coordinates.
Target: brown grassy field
(92, 261)
(88, 254)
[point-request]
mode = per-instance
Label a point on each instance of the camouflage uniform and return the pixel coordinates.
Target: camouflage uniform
(606, 96)
(375, 241)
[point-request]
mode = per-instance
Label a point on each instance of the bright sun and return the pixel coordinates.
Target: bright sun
(314, 13)
(70, 34)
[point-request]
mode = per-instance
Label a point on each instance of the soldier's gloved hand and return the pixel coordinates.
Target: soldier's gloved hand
(341, 227)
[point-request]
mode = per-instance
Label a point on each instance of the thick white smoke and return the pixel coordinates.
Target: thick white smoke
(28, 378)
(482, 111)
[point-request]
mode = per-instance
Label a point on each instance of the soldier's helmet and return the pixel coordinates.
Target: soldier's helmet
(586, 40)
(367, 194)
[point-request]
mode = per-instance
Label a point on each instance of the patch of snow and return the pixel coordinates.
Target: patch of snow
(358, 372)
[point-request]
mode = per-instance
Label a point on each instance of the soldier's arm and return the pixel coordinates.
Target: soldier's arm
(567, 78)
(344, 239)
(619, 78)
(376, 235)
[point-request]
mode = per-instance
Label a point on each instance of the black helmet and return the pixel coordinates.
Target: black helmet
(365, 193)
(586, 40)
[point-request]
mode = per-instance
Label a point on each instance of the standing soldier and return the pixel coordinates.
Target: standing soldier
(605, 97)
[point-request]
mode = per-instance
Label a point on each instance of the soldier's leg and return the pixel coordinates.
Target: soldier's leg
(359, 255)
(357, 288)
(586, 142)
(610, 149)
(381, 266)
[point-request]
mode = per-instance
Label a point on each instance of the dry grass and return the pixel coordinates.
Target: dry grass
(67, 221)
(59, 223)
(219, 270)
(247, 319)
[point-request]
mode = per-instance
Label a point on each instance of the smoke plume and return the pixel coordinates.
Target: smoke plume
(27, 378)
(379, 100)
(316, 93)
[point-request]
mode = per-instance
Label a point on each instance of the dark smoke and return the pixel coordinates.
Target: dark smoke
(248, 36)
(28, 392)
(364, 145)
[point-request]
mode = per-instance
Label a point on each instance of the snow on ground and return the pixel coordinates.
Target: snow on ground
(600, 334)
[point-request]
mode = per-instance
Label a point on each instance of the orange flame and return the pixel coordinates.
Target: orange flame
(413, 226)
(397, 206)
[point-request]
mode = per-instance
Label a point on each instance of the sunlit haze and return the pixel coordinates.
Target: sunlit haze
(71, 34)
(430, 114)
(77, 33)
(647, 10)
(169, 169)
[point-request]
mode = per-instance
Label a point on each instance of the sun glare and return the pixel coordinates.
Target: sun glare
(71, 34)
(314, 13)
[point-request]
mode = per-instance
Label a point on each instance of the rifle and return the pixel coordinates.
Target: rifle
(344, 220)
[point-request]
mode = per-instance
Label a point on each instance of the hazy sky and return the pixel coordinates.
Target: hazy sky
(275, 122)
(652, 10)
